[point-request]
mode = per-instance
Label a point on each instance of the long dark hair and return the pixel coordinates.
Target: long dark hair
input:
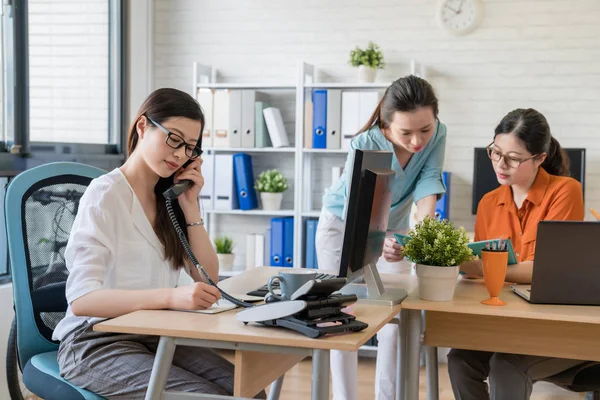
(161, 105)
(532, 128)
(405, 94)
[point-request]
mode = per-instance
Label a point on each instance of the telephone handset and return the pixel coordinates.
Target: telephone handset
(177, 189)
(171, 194)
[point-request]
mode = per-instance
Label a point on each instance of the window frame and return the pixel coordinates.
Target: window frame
(17, 154)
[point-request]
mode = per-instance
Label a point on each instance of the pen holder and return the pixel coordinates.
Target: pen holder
(494, 273)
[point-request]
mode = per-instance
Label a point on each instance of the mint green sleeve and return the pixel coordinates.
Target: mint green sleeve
(430, 177)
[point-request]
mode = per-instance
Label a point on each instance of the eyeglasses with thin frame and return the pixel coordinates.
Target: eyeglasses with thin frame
(511, 162)
(175, 141)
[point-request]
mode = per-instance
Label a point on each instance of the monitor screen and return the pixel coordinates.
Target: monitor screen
(484, 178)
(367, 210)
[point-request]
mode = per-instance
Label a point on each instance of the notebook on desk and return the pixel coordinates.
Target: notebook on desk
(566, 269)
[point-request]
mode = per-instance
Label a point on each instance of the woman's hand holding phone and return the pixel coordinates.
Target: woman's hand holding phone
(188, 201)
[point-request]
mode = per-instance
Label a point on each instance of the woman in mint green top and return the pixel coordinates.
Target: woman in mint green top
(418, 180)
(405, 122)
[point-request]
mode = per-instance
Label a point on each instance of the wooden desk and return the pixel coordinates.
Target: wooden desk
(262, 353)
(519, 327)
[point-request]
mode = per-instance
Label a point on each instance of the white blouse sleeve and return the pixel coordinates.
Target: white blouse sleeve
(90, 249)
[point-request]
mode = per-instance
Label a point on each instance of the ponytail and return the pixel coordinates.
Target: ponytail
(374, 120)
(403, 95)
(557, 161)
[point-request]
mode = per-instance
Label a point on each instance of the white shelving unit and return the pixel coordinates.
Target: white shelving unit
(268, 213)
(251, 149)
(204, 77)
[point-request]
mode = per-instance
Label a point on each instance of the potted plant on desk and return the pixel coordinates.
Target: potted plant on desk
(224, 249)
(368, 62)
(271, 184)
(437, 248)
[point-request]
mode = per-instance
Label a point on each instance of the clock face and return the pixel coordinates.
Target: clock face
(459, 17)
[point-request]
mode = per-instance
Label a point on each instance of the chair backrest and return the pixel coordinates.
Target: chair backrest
(40, 206)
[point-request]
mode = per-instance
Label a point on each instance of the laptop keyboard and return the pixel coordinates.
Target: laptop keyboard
(263, 290)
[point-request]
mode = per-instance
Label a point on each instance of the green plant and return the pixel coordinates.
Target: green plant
(371, 57)
(271, 181)
(223, 245)
(438, 243)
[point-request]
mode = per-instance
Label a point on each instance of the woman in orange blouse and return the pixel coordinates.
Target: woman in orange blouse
(533, 171)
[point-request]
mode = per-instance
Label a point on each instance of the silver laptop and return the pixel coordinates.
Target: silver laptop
(567, 264)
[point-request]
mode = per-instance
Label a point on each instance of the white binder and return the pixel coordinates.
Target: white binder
(227, 118)
(308, 123)
(205, 98)
(368, 104)
(208, 173)
(224, 187)
(248, 100)
(334, 110)
(250, 251)
(276, 127)
(259, 251)
(350, 117)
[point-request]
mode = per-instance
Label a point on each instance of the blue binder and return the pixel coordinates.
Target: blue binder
(319, 119)
(442, 207)
(288, 242)
(276, 242)
(244, 181)
(311, 251)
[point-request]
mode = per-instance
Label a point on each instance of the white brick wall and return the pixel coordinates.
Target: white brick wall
(527, 53)
(68, 57)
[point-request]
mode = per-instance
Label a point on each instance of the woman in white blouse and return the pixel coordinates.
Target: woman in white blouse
(123, 255)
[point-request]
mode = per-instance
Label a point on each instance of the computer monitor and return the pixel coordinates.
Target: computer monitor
(367, 212)
(484, 177)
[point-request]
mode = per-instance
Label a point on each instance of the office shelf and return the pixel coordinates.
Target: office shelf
(266, 213)
(325, 85)
(301, 84)
(326, 151)
(251, 149)
(242, 86)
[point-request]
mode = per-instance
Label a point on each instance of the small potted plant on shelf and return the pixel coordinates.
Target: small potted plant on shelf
(224, 249)
(271, 184)
(368, 62)
(437, 248)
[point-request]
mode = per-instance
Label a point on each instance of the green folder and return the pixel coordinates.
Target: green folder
(261, 133)
(477, 247)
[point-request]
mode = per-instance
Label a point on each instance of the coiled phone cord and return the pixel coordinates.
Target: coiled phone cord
(188, 250)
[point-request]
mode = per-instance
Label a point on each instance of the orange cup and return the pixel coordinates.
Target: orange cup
(494, 273)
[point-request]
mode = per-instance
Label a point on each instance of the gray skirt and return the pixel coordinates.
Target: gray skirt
(118, 366)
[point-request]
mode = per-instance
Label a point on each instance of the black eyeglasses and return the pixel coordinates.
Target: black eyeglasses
(176, 142)
(511, 162)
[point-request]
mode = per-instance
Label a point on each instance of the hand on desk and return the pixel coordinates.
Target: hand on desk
(197, 296)
(392, 251)
(472, 269)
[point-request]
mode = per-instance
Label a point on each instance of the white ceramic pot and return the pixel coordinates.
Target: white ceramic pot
(437, 283)
(271, 201)
(366, 74)
(225, 261)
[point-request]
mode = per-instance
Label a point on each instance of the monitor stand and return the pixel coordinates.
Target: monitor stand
(374, 292)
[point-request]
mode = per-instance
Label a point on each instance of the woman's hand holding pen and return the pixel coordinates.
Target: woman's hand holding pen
(392, 251)
(197, 296)
(188, 201)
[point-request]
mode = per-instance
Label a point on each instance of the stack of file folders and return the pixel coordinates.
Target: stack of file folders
(233, 187)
